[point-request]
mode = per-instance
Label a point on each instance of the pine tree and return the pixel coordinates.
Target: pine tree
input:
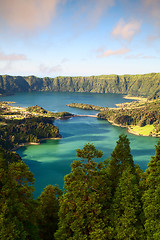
(126, 209)
(17, 214)
(151, 197)
(81, 210)
(120, 159)
(48, 212)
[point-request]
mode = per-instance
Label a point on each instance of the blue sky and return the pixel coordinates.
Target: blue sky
(79, 37)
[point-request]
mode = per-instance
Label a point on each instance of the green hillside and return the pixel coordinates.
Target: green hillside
(135, 85)
(142, 118)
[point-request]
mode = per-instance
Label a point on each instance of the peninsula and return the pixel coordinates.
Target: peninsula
(86, 106)
(22, 126)
(141, 117)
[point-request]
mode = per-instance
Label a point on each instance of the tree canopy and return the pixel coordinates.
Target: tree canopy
(111, 199)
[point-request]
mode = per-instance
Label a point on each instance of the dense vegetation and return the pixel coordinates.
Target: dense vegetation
(9, 112)
(42, 112)
(112, 199)
(136, 85)
(86, 106)
(141, 117)
(15, 132)
(27, 125)
(137, 113)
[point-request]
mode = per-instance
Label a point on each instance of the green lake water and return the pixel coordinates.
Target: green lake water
(50, 161)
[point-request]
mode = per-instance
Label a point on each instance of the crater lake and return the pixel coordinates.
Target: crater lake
(50, 161)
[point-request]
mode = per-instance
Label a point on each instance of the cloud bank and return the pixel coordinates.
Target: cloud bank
(88, 13)
(27, 14)
(12, 57)
(153, 8)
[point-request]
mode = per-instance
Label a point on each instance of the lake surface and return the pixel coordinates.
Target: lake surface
(51, 160)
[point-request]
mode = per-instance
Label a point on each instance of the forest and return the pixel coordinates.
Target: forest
(86, 106)
(137, 115)
(15, 132)
(19, 126)
(110, 199)
(141, 114)
(147, 85)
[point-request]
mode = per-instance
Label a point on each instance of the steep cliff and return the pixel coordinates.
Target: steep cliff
(136, 85)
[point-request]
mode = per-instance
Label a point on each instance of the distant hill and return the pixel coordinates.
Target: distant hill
(147, 85)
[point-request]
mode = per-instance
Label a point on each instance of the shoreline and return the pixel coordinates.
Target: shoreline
(33, 143)
(116, 124)
(129, 130)
(136, 98)
(139, 134)
(94, 116)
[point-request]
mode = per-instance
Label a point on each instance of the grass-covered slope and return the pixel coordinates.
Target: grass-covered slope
(140, 117)
(135, 85)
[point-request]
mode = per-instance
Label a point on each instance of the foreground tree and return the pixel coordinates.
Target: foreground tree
(17, 206)
(120, 159)
(48, 207)
(126, 209)
(81, 214)
(151, 197)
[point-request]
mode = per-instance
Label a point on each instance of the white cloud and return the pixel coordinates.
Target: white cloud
(27, 14)
(12, 57)
(140, 56)
(110, 52)
(88, 12)
(126, 30)
(50, 70)
(153, 8)
(100, 6)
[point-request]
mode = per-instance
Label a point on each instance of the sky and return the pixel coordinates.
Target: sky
(49, 38)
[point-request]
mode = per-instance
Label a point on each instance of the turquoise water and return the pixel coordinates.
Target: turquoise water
(56, 101)
(51, 160)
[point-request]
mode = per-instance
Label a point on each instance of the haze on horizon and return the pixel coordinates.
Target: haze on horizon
(79, 37)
